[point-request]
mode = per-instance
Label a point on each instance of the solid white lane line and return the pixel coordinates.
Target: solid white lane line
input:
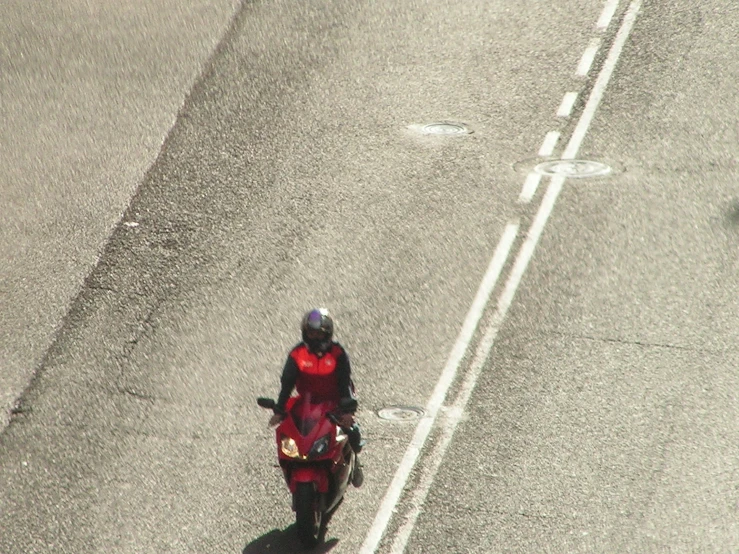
(550, 141)
(596, 95)
(455, 413)
(529, 187)
(587, 58)
(469, 327)
(605, 17)
(565, 108)
(504, 302)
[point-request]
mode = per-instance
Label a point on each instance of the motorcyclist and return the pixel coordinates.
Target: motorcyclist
(319, 367)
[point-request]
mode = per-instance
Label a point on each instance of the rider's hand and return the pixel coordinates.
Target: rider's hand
(346, 420)
(276, 419)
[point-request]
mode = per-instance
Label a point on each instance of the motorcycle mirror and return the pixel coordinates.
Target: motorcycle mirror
(266, 403)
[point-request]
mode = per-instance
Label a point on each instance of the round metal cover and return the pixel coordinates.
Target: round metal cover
(573, 168)
(400, 413)
(445, 128)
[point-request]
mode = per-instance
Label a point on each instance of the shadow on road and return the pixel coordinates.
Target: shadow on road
(284, 542)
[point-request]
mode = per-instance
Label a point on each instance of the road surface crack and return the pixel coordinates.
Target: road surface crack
(524, 515)
(136, 394)
(643, 344)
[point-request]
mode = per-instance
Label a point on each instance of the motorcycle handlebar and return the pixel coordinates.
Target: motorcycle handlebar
(266, 403)
(270, 404)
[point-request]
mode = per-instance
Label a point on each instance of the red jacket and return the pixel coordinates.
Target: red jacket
(324, 378)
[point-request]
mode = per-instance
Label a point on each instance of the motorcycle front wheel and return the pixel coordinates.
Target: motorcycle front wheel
(309, 519)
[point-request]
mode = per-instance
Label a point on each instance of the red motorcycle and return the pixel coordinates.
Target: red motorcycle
(317, 461)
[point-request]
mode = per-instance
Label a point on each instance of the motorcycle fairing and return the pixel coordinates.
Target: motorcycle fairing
(308, 474)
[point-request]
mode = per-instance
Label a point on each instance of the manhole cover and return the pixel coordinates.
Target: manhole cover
(400, 413)
(442, 128)
(573, 168)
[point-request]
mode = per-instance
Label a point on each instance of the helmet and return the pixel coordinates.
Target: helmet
(318, 330)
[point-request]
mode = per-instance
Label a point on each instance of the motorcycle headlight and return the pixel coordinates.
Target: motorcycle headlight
(289, 447)
(320, 447)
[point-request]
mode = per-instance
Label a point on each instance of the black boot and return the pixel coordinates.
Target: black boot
(355, 438)
(357, 474)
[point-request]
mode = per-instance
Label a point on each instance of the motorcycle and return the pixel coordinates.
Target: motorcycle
(317, 461)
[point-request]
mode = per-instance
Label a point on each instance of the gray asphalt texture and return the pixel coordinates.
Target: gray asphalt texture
(88, 92)
(606, 418)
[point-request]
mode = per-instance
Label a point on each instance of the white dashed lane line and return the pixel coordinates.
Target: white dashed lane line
(607, 14)
(446, 419)
(586, 62)
(568, 102)
(550, 142)
(529, 187)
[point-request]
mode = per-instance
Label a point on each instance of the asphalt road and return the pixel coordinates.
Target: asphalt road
(605, 417)
(88, 92)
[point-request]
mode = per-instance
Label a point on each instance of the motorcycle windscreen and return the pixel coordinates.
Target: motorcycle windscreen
(306, 416)
(304, 425)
